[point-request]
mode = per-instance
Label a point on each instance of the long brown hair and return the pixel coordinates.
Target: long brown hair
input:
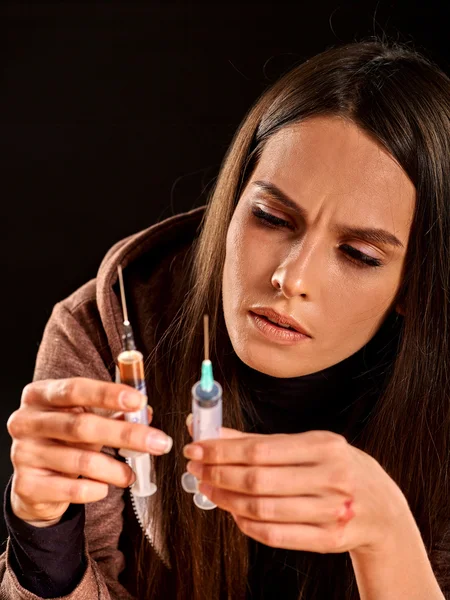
(401, 99)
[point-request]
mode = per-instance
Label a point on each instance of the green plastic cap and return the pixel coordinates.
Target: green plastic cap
(207, 378)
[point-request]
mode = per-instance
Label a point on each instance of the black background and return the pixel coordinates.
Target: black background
(116, 115)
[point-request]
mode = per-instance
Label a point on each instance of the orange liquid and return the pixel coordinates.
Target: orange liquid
(131, 367)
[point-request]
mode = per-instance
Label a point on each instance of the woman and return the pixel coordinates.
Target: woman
(323, 262)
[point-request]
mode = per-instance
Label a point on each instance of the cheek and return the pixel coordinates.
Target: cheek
(244, 262)
(231, 266)
(356, 306)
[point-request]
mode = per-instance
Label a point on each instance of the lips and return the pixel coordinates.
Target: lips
(280, 319)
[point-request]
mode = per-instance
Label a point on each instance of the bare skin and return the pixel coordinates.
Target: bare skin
(57, 437)
(306, 256)
(339, 176)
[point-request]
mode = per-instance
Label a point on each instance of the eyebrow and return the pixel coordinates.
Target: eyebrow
(369, 234)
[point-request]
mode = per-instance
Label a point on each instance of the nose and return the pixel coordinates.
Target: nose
(299, 272)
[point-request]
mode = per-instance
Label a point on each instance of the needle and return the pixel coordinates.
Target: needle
(206, 335)
(122, 294)
(127, 336)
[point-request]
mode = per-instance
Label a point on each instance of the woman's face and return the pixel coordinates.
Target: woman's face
(319, 235)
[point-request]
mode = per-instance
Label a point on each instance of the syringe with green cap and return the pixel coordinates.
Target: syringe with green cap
(207, 418)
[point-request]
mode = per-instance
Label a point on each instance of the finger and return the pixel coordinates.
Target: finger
(31, 484)
(81, 391)
(80, 445)
(120, 415)
(232, 434)
(225, 432)
(89, 428)
(277, 449)
(294, 509)
(263, 481)
(189, 420)
(74, 462)
(294, 536)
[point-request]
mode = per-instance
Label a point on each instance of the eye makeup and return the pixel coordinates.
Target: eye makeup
(358, 258)
(270, 219)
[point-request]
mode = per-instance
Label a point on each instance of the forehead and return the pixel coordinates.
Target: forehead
(328, 164)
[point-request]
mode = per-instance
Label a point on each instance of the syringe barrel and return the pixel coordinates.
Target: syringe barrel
(207, 412)
(131, 367)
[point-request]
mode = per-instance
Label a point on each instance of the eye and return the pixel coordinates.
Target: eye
(270, 220)
(363, 259)
(355, 256)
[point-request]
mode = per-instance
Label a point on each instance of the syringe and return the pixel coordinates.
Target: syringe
(207, 418)
(131, 367)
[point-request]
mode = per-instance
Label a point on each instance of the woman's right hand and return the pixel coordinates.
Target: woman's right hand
(57, 437)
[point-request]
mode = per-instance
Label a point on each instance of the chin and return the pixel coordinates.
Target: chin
(276, 363)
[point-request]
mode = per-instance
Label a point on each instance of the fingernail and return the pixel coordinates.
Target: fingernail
(346, 512)
(195, 468)
(342, 512)
(157, 441)
(132, 399)
(193, 451)
(189, 419)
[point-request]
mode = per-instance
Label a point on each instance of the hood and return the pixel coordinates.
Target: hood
(151, 262)
(142, 256)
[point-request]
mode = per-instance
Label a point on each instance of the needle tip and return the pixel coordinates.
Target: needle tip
(206, 335)
(122, 293)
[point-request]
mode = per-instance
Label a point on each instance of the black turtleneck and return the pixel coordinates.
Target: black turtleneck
(339, 398)
(327, 399)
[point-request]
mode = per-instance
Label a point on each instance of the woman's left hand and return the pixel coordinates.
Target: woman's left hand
(309, 491)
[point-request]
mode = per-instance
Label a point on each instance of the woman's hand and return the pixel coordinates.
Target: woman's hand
(310, 491)
(57, 437)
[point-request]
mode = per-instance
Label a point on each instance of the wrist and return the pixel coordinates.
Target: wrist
(392, 539)
(398, 567)
(21, 512)
(392, 526)
(43, 523)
